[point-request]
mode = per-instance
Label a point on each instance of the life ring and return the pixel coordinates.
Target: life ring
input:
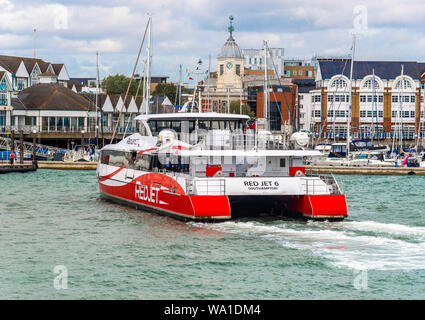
(299, 173)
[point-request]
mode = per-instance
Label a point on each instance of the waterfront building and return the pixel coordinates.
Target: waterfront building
(5, 99)
(50, 107)
(304, 102)
(25, 72)
(299, 69)
(387, 98)
(254, 59)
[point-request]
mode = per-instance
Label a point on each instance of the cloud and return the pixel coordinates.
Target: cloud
(103, 45)
(186, 30)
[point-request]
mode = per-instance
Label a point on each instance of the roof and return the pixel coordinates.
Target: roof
(47, 74)
(192, 115)
(57, 67)
(10, 63)
(51, 96)
(29, 63)
(383, 69)
(230, 49)
(77, 85)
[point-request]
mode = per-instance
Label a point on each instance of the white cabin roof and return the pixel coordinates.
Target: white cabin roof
(192, 115)
(252, 153)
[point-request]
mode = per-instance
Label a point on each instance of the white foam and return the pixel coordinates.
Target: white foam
(340, 244)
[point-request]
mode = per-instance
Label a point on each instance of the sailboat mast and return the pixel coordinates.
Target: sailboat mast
(266, 91)
(97, 97)
(375, 101)
(148, 68)
(350, 96)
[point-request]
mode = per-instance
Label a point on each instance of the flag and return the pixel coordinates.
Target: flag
(252, 126)
(190, 78)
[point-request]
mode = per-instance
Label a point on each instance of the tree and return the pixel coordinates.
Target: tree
(118, 84)
(165, 90)
(235, 108)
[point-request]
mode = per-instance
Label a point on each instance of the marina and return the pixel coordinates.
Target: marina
(207, 156)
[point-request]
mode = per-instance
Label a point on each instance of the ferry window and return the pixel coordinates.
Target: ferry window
(215, 125)
(176, 126)
(104, 157)
(282, 162)
(152, 125)
(191, 126)
(114, 158)
(203, 124)
(143, 162)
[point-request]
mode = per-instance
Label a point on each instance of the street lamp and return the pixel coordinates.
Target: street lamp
(82, 140)
(34, 148)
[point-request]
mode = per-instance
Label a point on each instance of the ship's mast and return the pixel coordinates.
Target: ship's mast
(266, 91)
(97, 97)
(148, 68)
(350, 96)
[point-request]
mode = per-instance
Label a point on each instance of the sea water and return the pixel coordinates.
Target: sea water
(60, 240)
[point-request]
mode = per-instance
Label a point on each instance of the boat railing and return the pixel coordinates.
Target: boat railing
(320, 184)
(206, 187)
(236, 141)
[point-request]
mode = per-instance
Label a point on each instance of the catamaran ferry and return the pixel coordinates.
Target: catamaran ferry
(210, 166)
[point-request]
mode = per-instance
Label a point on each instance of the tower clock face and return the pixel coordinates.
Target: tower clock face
(229, 65)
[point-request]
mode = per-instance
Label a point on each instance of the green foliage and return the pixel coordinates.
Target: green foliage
(118, 84)
(235, 109)
(165, 90)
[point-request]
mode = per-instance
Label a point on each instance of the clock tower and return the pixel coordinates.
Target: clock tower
(230, 63)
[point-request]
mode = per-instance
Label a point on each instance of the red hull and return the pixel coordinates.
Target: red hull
(161, 193)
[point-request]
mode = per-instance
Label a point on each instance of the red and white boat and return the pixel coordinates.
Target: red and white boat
(207, 166)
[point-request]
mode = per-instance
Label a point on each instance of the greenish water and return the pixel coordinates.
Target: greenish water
(51, 218)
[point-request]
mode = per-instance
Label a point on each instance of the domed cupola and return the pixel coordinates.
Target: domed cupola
(230, 49)
(230, 63)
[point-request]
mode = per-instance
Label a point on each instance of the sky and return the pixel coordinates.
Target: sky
(184, 31)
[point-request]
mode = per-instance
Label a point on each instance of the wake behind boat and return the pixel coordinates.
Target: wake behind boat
(208, 166)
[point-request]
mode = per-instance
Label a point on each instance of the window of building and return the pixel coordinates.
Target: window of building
(300, 72)
(294, 72)
(221, 69)
(406, 98)
(255, 60)
(394, 114)
(369, 114)
(330, 113)
(403, 84)
(362, 113)
(261, 60)
(316, 98)
(380, 98)
(309, 73)
(412, 114)
(339, 83)
(317, 113)
(370, 84)
(362, 98)
(330, 98)
(238, 69)
(395, 98)
(380, 113)
(3, 99)
(412, 99)
(369, 98)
